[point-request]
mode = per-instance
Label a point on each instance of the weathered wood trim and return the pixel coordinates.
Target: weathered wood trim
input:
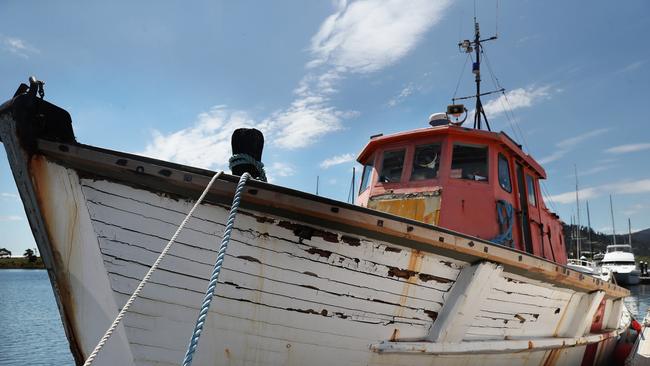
(615, 315)
(483, 347)
(77, 254)
(19, 163)
(177, 179)
(583, 314)
(460, 308)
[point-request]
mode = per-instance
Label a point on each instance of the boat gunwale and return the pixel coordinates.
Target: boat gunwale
(494, 346)
(182, 180)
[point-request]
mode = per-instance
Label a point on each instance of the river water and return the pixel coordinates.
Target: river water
(31, 332)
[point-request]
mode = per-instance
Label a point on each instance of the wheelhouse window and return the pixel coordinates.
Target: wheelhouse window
(504, 174)
(426, 161)
(470, 162)
(392, 165)
(365, 176)
(530, 187)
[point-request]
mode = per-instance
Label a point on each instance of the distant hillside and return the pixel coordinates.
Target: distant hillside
(640, 240)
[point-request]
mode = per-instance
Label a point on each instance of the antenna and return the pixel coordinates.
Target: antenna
(317, 185)
(611, 210)
(476, 46)
(351, 192)
(575, 169)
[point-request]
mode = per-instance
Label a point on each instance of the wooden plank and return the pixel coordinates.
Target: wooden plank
(615, 314)
(246, 286)
(312, 208)
(209, 219)
(461, 306)
(584, 314)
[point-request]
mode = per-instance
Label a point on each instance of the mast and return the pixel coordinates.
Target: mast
(575, 169)
(476, 46)
(351, 193)
(573, 235)
(591, 250)
(476, 69)
(629, 231)
(611, 210)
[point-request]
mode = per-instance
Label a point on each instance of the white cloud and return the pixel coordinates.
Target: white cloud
(7, 195)
(304, 122)
(11, 218)
(403, 94)
(624, 187)
(516, 99)
(17, 46)
(572, 141)
(565, 146)
(361, 37)
(637, 207)
(556, 155)
(570, 197)
(631, 67)
(622, 149)
(279, 169)
(336, 160)
(206, 144)
(368, 35)
(591, 171)
(282, 169)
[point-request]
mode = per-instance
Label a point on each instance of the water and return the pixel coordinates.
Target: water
(639, 301)
(31, 332)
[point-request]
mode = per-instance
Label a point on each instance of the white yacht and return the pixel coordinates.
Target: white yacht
(619, 259)
(590, 268)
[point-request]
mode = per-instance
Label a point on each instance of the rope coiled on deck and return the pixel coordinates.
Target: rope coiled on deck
(209, 293)
(146, 278)
(504, 215)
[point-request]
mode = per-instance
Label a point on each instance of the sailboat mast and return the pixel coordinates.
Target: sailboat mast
(575, 169)
(591, 249)
(571, 237)
(629, 231)
(611, 210)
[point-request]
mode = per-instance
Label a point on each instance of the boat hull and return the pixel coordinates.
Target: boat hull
(306, 280)
(291, 292)
(628, 278)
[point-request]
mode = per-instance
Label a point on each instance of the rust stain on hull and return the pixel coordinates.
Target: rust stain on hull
(421, 207)
(41, 183)
(553, 356)
(414, 266)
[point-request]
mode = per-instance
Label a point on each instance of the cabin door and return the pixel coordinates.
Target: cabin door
(524, 221)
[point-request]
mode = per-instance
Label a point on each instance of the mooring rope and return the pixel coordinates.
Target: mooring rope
(242, 159)
(209, 293)
(146, 278)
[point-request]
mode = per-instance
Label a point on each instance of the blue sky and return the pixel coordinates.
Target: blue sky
(172, 80)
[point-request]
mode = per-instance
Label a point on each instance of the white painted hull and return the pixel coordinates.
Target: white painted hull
(628, 278)
(306, 281)
(283, 300)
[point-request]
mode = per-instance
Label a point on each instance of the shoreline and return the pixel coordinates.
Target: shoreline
(21, 263)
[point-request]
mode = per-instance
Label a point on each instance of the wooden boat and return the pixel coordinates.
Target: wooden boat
(411, 275)
(307, 280)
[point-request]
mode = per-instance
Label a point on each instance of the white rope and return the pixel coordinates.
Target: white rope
(146, 278)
